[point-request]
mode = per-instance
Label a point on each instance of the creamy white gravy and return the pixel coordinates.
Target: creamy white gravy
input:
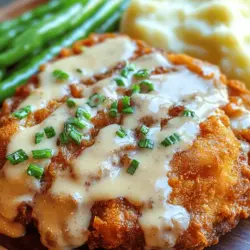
(95, 60)
(63, 211)
(243, 121)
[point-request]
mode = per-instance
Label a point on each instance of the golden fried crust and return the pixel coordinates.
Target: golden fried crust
(8, 127)
(207, 181)
(114, 225)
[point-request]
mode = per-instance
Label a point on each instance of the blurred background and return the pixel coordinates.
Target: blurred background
(5, 2)
(12, 8)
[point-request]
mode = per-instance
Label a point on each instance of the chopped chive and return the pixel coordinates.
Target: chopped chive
(124, 73)
(144, 129)
(146, 86)
(35, 171)
(76, 136)
(87, 115)
(95, 100)
(146, 143)
(68, 127)
(126, 102)
(64, 138)
(133, 166)
(131, 67)
(120, 82)
(50, 132)
(17, 157)
(79, 71)
(128, 110)
(71, 103)
(127, 69)
(77, 122)
(60, 75)
(114, 105)
(82, 113)
(188, 113)
(170, 140)
(136, 89)
(113, 112)
(42, 153)
(142, 73)
(39, 137)
(121, 133)
(22, 113)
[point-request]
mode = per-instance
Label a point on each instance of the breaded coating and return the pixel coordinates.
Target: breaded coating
(114, 225)
(8, 127)
(207, 180)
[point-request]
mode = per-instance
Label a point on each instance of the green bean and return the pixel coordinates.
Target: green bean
(8, 86)
(31, 39)
(112, 24)
(35, 13)
(41, 14)
(36, 37)
(5, 40)
(2, 73)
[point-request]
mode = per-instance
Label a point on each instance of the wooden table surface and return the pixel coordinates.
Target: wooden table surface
(18, 7)
(239, 238)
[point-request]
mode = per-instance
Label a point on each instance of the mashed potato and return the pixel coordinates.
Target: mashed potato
(213, 30)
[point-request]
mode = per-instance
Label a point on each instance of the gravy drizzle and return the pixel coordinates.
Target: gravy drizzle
(63, 211)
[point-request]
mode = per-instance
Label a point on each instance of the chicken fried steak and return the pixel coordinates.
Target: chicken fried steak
(120, 146)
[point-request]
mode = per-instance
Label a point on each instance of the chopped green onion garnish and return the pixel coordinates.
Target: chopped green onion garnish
(114, 105)
(64, 138)
(126, 102)
(42, 153)
(120, 82)
(71, 103)
(121, 133)
(50, 132)
(142, 73)
(39, 137)
(170, 140)
(127, 69)
(132, 167)
(146, 86)
(76, 136)
(35, 171)
(95, 100)
(77, 122)
(17, 157)
(60, 75)
(82, 113)
(188, 113)
(144, 129)
(87, 115)
(128, 110)
(79, 71)
(113, 112)
(23, 112)
(146, 143)
(136, 89)
(68, 127)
